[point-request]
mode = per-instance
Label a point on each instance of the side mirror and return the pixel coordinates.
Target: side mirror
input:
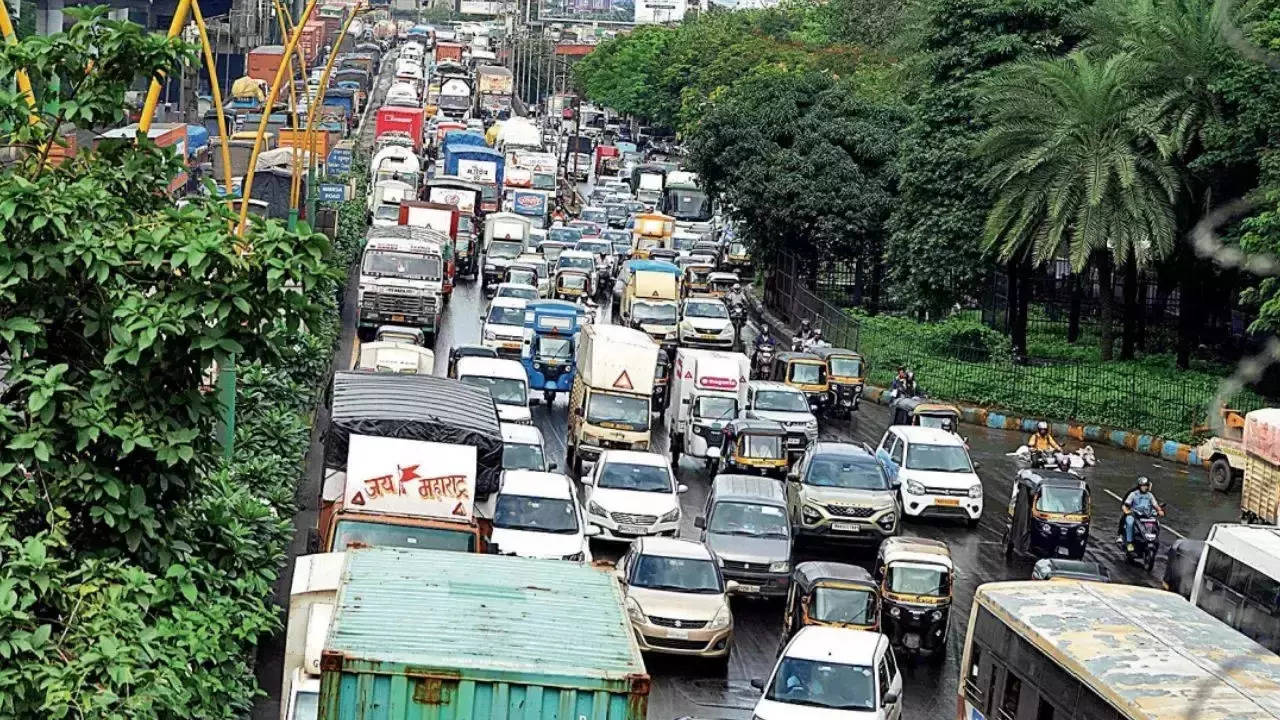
(682, 489)
(757, 683)
(976, 464)
(700, 523)
(620, 576)
(731, 586)
(889, 698)
(551, 466)
(591, 531)
(585, 480)
(794, 474)
(895, 483)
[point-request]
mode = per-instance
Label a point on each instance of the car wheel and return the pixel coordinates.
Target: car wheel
(972, 523)
(1221, 477)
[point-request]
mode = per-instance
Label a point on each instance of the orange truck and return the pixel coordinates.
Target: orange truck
(264, 62)
(448, 51)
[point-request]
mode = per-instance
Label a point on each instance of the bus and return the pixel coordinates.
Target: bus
(1076, 650)
(1238, 580)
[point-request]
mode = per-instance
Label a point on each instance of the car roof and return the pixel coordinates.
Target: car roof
(512, 286)
(635, 457)
(927, 435)
(509, 301)
(536, 484)
(491, 367)
(574, 252)
(673, 547)
(747, 488)
(843, 449)
(834, 644)
(772, 385)
(520, 433)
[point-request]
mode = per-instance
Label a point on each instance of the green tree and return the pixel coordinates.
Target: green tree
(1071, 169)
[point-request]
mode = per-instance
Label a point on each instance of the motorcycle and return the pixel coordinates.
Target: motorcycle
(1146, 541)
(737, 315)
(761, 360)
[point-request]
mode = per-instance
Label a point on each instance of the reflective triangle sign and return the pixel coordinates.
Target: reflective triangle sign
(623, 382)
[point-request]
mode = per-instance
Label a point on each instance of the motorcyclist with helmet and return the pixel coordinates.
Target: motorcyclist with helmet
(763, 339)
(1139, 503)
(815, 340)
(801, 337)
(1042, 440)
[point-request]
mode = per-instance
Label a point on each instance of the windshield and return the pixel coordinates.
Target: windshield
(737, 248)
(1064, 500)
(938, 458)
(595, 247)
(682, 242)
(522, 512)
(641, 478)
(400, 264)
(554, 349)
(505, 391)
(734, 518)
(349, 533)
(918, 579)
(596, 216)
(781, 401)
(575, 263)
(706, 310)
(807, 374)
(676, 574)
(544, 181)
(521, 456)
(552, 252)
(504, 249)
(573, 281)
(387, 212)
(846, 366)
(688, 205)
(504, 315)
(622, 247)
(714, 407)
(523, 291)
(936, 421)
(522, 277)
(846, 473)
(823, 684)
(564, 235)
(624, 412)
(654, 313)
(840, 605)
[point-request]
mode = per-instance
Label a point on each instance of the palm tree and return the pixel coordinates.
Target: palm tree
(1073, 168)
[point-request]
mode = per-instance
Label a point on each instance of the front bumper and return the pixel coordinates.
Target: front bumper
(621, 532)
(706, 340)
(942, 506)
(679, 641)
(372, 317)
(505, 347)
(820, 522)
(754, 581)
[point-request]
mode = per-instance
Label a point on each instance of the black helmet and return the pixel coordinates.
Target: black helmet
(804, 324)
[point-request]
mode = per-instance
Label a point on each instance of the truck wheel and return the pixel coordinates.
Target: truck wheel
(365, 334)
(1221, 478)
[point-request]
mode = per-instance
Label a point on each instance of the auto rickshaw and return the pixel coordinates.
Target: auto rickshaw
(661, 382)
(832, 594)
(664, 254)
(846, 377)
(571, 284)
(921, 411)
(721, 283)
(651, 230)
(804, 371)
(1048, 517)
(754, 447)
(915, 578)
(696, 280)
(460, 351)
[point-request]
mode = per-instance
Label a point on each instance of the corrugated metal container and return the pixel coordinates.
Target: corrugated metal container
(421, 635)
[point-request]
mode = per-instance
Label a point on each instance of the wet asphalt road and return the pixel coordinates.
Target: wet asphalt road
(682, 686)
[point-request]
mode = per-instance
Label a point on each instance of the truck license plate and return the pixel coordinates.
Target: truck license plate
(911, 641)
(1062, 550)
(947, 502)
(632, 529)
(846, 527)
(397, 318)
(510, 345)
(795, 442)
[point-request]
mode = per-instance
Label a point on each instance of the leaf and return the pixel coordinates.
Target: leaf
(41, 636)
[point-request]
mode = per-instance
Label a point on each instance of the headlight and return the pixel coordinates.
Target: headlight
(593, 508)
(895, 611)
(975, 491)
(915, 488)
(671, 335)
(634, 611)
(887, 520)
(1082, 530)
(810, 515)
(576, 557)
(811, 425)
(780, 567)
(490, 335)
(936, 615)
(726, 330)
(672, 516)
(722, 618)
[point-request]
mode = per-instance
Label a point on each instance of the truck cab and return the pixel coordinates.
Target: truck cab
(650, 300)
(551, 328)
(312, 596)
(401, 283)
(611, 400)
(708, 390)
(384, 201)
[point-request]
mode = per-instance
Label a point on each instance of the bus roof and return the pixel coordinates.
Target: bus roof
(1146, 651)
(1257, 546)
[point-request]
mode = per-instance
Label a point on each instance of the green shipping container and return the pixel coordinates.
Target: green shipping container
(427, 635)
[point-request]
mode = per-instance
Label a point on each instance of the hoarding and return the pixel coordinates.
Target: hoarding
(659, 11)
(618, 11)
(478, 7)
(410, 477)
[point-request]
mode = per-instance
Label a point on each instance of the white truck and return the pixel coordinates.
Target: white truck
(494, 87)
(610, 404)
(384, 202)
(401, 281)
(311, 599)
(708, 389)
(1260, 491)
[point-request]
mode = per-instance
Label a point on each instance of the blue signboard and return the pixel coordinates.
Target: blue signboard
(339, 161)
(532, 203)
(332, 192)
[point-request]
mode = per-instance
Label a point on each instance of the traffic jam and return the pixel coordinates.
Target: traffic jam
(573, 470)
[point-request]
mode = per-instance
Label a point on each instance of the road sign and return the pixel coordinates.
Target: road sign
(339, 161)
(332, 192)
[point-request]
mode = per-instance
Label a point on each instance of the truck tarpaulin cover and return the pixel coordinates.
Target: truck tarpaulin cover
(1262, 434)
(416, 407)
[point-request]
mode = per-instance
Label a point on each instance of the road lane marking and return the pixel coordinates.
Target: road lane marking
(1162, 525)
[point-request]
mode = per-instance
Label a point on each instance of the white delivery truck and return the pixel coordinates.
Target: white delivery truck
(311, 599)
(610, 402)
(708, 389)
(401, 282)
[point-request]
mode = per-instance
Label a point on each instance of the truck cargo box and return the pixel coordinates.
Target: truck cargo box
(429, 634)
(1260, 492)
(264, 62)
(613, 357)
(416, 407)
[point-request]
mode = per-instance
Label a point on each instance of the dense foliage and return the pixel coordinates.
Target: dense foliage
(136, 564)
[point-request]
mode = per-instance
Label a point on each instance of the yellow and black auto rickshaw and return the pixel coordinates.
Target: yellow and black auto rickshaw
(1049, 513)
(753, 447)
(661, 382)
(571, 284)
(832, 594)
(925, 413)
(805, 372)
(846, 377)
(915, 576)
(696, 280)
(720, 284)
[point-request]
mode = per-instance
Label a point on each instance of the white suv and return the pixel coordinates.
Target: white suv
(631, 494)
(828, 673)
(932, 471)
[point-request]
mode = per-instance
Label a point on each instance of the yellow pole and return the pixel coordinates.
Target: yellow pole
(295, 177)
(212, 67)
(247, 187)
(11, 38)
(324, 78)
(153, 92)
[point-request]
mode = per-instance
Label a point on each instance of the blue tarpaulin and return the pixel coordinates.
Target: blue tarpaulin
(197, 138)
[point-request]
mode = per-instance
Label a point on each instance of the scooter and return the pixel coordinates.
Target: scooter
(761, 360)
(1146, 541)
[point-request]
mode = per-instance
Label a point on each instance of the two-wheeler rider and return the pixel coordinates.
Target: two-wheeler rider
(1140, 502)
(1042, 440)
(763, 339)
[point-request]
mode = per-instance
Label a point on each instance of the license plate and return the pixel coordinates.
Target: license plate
(633, 529)
(511, 345)
(677, 634)
(1063, 550)
(911, 640)
(846, 527)
(947, 502)
(707, 336)
(795, 442)
(397, 318)
(749, 588)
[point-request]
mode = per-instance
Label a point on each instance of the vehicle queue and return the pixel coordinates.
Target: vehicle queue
(671, 359)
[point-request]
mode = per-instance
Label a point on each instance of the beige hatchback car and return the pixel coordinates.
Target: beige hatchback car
(677, 599)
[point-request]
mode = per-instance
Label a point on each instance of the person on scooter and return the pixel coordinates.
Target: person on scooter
(1042, 440)
(764, 339)
(1140, 502)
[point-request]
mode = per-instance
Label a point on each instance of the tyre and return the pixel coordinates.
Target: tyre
(937, 657)
(365, 334)
(719, 667)
(1221, 477)
(548, 396)
(972, 523)
(1150, 560)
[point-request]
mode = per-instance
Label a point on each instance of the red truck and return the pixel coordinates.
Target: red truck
(448, 51)
(400, 119)
(312, 41)
(264, 61)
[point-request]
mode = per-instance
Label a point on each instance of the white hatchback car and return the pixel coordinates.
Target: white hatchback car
(932, 471)
(503, 328)
(831, 673)
(536, 515)
(630, 494)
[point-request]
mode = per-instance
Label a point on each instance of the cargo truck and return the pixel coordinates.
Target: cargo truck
(610, 404)
(400, 119)
(650, 301)
(1260, 492)
(264, 62)
(448, 51)
(478, 164)
(441, 219)
(494, 87)
(425, 634)
(708, 389)
(406, 459)
(401, 280)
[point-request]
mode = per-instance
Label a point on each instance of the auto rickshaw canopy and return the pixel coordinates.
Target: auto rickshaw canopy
(828, 354)
(809, 578)
(783, 361)
(924, 412)
(809, 575)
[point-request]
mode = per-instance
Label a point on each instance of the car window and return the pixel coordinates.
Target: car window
(893, 663)
(882, 671)
(897, 450)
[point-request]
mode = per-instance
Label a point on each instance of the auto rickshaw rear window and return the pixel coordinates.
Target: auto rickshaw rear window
(807, 373)
(843, 605)
(846, 473)
(907, 578)
(767, 447)
(1064, 500)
